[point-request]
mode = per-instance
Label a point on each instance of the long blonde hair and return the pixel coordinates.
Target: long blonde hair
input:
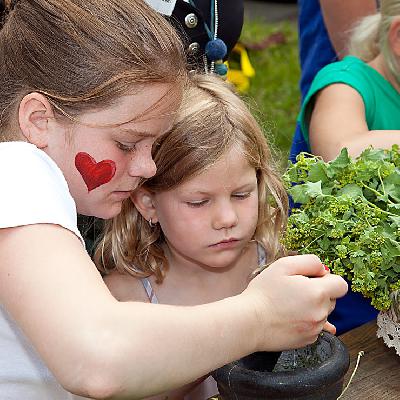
(211, 120)
(82, 54)
(370, 36)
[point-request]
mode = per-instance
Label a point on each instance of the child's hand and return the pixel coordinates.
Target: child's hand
(293, 298)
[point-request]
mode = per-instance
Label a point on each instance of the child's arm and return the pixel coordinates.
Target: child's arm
(338, 120)
(99, 347)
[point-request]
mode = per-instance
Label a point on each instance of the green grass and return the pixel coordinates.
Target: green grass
(274, 92)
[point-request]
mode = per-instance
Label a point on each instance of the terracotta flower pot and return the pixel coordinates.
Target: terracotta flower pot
(312, 373)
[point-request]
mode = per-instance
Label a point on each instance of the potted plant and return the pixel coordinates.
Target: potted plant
(349, 216)
(314, 372)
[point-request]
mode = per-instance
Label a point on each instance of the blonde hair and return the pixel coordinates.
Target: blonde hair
(212, 119)
(82, 54)
(370, 36)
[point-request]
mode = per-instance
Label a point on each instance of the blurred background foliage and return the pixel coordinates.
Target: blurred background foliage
(274, 94)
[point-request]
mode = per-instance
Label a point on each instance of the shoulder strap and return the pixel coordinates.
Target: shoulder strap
(262, 255)
(149, 290)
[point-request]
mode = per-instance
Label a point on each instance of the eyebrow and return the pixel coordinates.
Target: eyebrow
(137, 133)
(246, 186)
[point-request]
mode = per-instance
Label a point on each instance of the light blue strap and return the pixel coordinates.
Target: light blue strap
(149, 290)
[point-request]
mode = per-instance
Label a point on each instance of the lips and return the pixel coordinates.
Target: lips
(225, 242)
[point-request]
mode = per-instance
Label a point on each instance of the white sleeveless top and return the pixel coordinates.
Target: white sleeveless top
(33, 190)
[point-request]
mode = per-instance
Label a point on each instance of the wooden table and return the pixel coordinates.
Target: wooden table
(378, 374)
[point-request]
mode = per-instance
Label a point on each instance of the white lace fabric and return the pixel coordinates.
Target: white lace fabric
(389, 329)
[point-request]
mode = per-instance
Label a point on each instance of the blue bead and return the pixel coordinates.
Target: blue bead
(221, 69)
(216, 49)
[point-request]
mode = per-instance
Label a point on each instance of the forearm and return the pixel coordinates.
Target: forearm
(188, 342)
(281, 309)
(338, 120)
(383, 139)
(341, 16)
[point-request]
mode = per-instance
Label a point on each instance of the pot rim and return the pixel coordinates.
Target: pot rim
(300, 381)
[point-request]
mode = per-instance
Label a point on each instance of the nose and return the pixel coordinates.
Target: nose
(225, 215)
(141, 164)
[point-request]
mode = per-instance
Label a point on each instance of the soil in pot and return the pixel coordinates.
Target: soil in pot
(315, 372)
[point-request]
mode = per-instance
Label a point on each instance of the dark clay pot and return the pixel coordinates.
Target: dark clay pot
(315, 372)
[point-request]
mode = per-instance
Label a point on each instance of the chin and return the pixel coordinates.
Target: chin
(110, 212)
(105, 212)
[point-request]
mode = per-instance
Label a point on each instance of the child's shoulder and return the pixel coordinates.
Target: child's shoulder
(346, 63)
(125, 287)
(24, 161)
(350, 67)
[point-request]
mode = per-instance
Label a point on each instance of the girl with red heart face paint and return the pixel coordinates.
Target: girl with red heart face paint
(102, 173)
(85, 86)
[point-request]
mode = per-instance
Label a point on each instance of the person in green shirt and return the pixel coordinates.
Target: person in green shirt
(355, 102)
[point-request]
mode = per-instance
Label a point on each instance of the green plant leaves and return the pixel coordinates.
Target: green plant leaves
(303, 193)
(351, 190)
(350, 217)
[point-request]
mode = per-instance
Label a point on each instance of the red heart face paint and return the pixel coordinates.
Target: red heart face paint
(94, 174)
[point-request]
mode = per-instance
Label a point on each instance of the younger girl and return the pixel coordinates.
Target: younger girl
(210, 216)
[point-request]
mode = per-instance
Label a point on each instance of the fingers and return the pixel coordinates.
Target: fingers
(333, 285)
(307, 265)
(330, 328)
(332, 305)
(310, 265)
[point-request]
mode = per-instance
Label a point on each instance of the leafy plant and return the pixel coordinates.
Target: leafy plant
(350, 217)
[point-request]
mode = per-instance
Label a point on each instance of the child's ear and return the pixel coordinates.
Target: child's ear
(394, 36)
(143, 201)
(34, 114)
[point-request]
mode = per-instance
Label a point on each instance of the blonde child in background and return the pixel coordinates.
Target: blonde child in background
(211, 215)
(355, 102)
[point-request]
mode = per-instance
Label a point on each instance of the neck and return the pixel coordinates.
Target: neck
(191, 283)
(193, 270)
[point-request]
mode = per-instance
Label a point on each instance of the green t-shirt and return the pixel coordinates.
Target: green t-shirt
(381, 99)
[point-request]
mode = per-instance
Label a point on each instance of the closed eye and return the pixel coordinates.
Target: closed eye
(126, 147)
(241, 195)
(196, 204)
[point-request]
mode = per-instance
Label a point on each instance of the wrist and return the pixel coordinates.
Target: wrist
(255, 315)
